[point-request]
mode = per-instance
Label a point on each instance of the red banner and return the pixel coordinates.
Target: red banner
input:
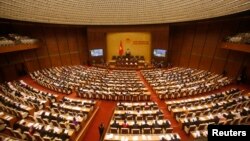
(121, 50)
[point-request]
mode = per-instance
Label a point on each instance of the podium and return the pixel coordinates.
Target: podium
(128, 62)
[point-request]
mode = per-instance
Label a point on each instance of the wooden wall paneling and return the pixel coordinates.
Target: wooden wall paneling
(187, 45)
(72, 45)
(194, 61)
(184, 60)
(61, 45)
(79, 47)
(44, 62)
(191, 46)
(29, 54)
(32, 65)
(72, 39)
(52, 47)
(198, 43)
(154, 45)
(51, 41)
(10, 73)
(159, 40)
(61, 39)
(85, 45)
(205, 63)
(180, 44)
(63, 50)
(213, 35)
(96, 40)
(165, 41)
(30, 61)
(202, 51)
(247, 64)
(99, 41)
(170, 48)
(1, 75)
(205, 47)
(165, 38)
(14, 57)
(212, 38)
(229, 28)
(176, 45)
(234, 63)
(75, 57)
(31, 57)
(82, 45)
(175, 56)
(221, 55)
(241, 57)
(38, 33)
(21, 69)
(66, 61)
(9, 66)
(55, 60)
(155, 42)
(233, 69)
(86, 54)
(244, 62)
(3, 59)
(103, 36)
(43, 52)
(218, 65)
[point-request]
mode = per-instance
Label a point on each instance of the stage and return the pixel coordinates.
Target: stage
(111, 66)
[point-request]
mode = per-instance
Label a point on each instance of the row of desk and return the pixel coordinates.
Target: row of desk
(142, 137)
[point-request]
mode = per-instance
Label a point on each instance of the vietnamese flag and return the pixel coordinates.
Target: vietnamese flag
(121, 51)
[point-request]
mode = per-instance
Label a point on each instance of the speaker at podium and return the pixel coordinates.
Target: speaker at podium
(128, 53)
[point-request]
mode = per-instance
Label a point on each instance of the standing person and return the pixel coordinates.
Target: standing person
(128, 53)
(101, 130)
(75, 122)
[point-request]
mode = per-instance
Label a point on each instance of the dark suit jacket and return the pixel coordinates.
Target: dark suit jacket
(116, 125)
(229, 116)
(145, 125)
(156, 125)
(135, 126)
(165, 124)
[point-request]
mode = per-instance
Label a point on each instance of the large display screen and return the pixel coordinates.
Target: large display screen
(96, 52)
(160, 52)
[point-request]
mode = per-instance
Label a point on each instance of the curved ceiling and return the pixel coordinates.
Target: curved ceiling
(118, 12)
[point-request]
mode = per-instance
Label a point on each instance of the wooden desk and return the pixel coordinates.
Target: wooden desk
(193, 108)
(10, 119)
(140, 122)
(142, 112)
(64, 116)
(75, 108)
(198, 134)
(139, 137)
(57, 130)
